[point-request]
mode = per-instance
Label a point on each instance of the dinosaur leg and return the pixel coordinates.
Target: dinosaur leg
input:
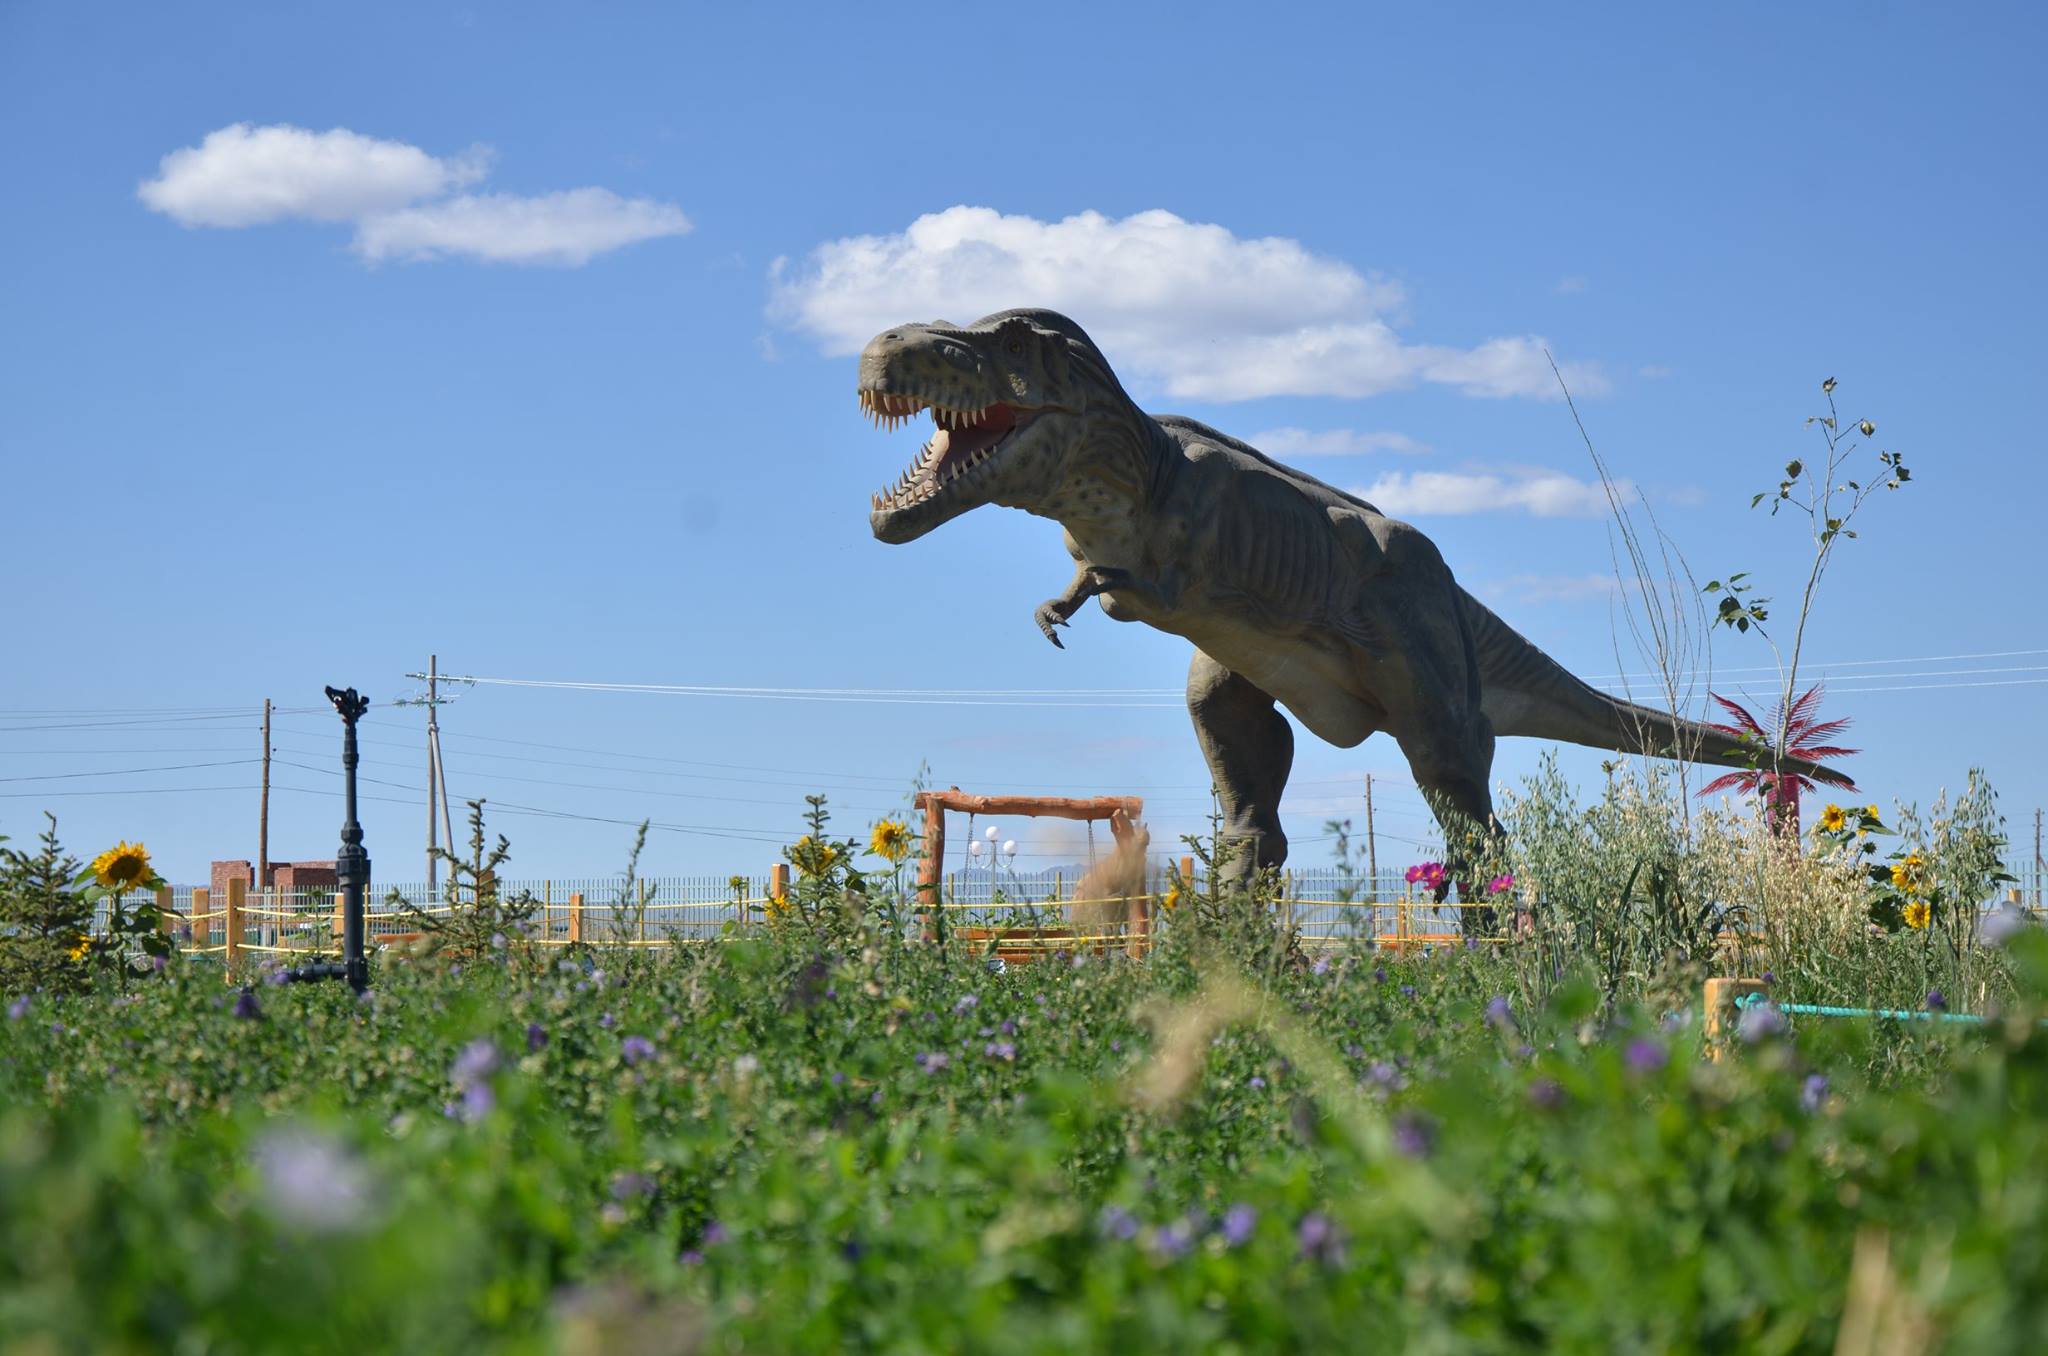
(1250, 749)
(1452, 762)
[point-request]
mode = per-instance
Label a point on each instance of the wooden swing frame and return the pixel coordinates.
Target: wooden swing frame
(1122, 812)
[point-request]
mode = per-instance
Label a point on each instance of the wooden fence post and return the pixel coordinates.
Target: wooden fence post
(778, 887)
(164, 904)
(199, 918)
(575, 917)
(238, 894)
(341, 915)
(1721, 995)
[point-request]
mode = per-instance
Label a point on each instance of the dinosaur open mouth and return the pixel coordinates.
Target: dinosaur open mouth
(963, 445)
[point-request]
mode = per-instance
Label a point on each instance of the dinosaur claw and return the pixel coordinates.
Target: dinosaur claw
(1048, 617)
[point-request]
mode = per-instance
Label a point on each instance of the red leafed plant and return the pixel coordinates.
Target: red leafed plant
(1802, 736)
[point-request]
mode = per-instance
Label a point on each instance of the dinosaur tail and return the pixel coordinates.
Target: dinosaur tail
(1526, 692)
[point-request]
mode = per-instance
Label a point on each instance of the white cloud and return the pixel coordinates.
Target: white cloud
(1550, 588)
(1180, 306)
(554, 228)
(247, 176)
(1546, 494)
(1571, 284)
(397, 196)
(1653, 371)
(1332, 442)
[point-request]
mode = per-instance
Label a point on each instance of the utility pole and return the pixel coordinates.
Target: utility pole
(2037, 857)
(437, 780)
(263, 811)
(1372, 847)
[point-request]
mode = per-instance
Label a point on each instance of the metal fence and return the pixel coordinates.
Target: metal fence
(1323, 903)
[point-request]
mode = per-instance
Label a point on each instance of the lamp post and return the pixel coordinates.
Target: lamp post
(997, 857)
(351, 864)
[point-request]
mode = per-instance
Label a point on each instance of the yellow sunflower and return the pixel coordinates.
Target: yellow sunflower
(777, 905)
(812, 856)
(121, 866)
(1832, 819)
(890, 840)
(1918, 914)
(1871, 811)
(79, 951)
(1172, 900)
(1910, 873)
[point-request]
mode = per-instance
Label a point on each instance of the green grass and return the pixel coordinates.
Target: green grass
(780, 1145)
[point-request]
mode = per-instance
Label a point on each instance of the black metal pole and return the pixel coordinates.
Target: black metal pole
(352, 863)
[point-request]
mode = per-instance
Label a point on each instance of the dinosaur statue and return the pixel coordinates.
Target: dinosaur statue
(1294, 594)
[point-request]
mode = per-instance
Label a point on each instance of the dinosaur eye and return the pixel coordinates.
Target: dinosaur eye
(1015, 346)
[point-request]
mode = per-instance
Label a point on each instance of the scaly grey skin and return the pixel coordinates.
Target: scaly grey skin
(1293, 592)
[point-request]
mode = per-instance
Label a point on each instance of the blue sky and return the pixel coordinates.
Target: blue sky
(333, 338)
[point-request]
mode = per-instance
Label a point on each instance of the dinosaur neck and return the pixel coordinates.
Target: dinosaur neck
(1112, 481)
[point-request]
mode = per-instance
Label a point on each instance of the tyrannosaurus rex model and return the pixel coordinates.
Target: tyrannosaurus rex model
(1292, 592)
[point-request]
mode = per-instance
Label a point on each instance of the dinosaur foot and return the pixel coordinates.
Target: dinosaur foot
(1048, 617)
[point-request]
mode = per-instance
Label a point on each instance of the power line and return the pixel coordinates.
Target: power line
(127, 791)
(127, 771)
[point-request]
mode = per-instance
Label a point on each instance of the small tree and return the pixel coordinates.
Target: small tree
(45, 919)
(1829, 496)
(488, 924)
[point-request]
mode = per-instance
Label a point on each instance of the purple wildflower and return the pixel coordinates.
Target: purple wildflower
(1645, 1056)
(1546, 1094)
(536, 1038)
(311, 1181)
(1321, 967)
(1499, 1013)
(931, 1061)
(159, 963)
(1414, 1134)
(1118, 1223)
(1238, 1222)
(1002, 1050)
(631, 1185)
(1936, 1001)
(968, 1002)
(1384, 1076)
(1407, 991)
(690, 1257)
(838, 1079)
(607, 1021)
(2004, 924)
(1255, 1083)
(245, 1006)
(1379, 974)
(477, 1062)
(1318, 1239)
(18, 1009)
(1173, 1240)
(1813, 1093)
(1116, 1047)
(714, 1234)
(634, 1049)
(1759, 1021)
(1007, 1027)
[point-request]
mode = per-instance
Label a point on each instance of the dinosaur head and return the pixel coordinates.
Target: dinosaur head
(1010, 399)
